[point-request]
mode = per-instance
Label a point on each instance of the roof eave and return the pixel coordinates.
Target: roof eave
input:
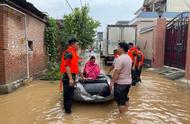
(44, 20)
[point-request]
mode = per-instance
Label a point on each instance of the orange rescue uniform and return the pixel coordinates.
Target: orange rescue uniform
(73, 63)
(132, 53)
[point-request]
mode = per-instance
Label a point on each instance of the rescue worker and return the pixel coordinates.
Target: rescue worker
(133, 52)
(140, 62)
(69, 69)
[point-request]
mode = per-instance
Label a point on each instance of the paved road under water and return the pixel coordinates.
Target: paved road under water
(155, 101)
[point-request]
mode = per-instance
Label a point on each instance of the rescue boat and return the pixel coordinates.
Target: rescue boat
(94, 91)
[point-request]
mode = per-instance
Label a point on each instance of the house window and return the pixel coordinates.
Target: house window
(30, 45)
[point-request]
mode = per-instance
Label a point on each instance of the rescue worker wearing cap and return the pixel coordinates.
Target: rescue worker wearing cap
(139, 65)
(69, 69)
(133, 52)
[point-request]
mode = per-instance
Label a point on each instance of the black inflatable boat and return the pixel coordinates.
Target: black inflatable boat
(94, 90)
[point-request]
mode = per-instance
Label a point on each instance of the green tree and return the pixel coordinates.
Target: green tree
(79, 25)
(51, 39)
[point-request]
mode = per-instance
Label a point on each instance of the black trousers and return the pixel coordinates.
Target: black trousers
(134, 77)
(68, 92)
(138, 72)
(121, 94)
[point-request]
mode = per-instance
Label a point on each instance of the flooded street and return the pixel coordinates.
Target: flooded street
(155, 101)
(44, 41)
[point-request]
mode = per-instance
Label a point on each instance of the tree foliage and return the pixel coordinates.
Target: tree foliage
(51, 39)
(79, 25)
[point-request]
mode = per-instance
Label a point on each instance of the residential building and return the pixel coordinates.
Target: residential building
(166, 5)
(22, 47)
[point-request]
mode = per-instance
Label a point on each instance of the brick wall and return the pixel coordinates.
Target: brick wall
(38, 58)
(2, 67)
(3, 36)
(15, 54)
(1, 46)
(159, 43)
(1, 28)
(187, 68)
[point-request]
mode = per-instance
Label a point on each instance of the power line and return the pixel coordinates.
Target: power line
(69, 5)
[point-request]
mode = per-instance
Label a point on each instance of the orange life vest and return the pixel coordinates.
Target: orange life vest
(131, 55)
(142, 58)
(131, 52)
(134, 50)
(74, 61)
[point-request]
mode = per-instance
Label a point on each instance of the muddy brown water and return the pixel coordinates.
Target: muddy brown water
(155, 101)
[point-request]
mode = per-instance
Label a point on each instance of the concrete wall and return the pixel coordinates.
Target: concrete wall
(177, 5)
(143, 24)
(140, 25)
(144, 40)
(14, 57)
(152, 42)
(145, 44)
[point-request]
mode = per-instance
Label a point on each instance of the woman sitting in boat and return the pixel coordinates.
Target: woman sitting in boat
(91, 69)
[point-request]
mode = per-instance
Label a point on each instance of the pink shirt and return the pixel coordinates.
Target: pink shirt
(92, 70)
(124, 64)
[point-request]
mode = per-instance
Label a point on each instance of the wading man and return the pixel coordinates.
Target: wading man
(121, 80)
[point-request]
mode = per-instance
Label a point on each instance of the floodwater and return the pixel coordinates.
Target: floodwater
(155, 101)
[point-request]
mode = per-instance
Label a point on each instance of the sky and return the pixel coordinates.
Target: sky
(106, 11)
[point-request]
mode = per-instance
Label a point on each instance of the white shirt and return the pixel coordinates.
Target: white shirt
(124, 64)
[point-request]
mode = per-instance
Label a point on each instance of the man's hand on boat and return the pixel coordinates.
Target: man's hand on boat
(82, 77)
(71, 82)
(111, 86)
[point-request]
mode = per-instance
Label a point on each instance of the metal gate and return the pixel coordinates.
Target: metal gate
(176, 41)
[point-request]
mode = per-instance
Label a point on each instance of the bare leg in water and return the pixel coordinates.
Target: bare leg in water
(123, 108)
(127, 104)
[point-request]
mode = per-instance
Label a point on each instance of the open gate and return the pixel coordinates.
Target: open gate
(176, 41)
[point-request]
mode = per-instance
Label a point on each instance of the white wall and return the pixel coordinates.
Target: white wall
(178, 5)
(143, 24)
(145, 44)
